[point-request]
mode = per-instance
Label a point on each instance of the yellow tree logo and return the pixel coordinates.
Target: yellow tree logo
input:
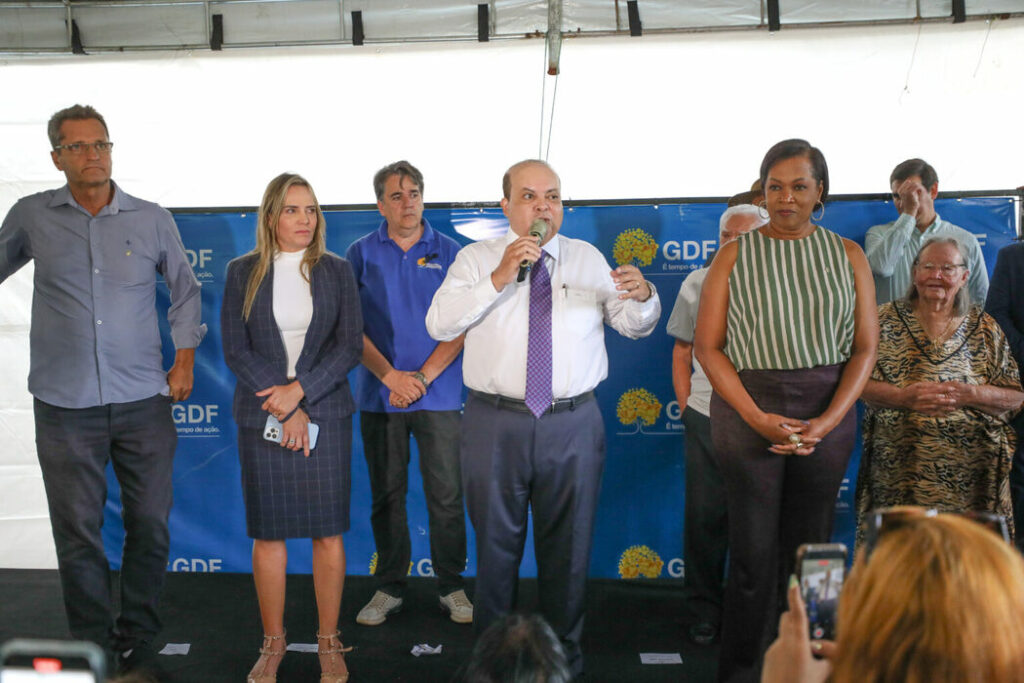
(636, 247)
(640, 561)
(638, 407)
(373, 565)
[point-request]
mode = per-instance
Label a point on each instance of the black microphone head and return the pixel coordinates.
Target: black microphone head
(539, 229)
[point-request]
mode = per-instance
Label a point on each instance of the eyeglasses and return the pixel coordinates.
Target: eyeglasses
(83, 147)
(946, 268)
(883, 520)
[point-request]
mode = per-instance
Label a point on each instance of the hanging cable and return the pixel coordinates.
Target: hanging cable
(910, 67)
(981, 54)
(551, 117)
(543, 88)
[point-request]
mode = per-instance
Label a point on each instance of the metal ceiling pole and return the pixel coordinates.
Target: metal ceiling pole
(209, 20)
(554, 36)
(68, 25)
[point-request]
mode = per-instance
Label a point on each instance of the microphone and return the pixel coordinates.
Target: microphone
(538, 229)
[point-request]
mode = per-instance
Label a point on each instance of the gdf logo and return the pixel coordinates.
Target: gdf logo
(688, 250)
(196, 564)
(193, 414)
(198, 258)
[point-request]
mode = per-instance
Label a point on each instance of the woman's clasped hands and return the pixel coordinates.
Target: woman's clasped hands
(790, 436)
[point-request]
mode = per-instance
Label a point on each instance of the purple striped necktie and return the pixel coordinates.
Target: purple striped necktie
(538, 348)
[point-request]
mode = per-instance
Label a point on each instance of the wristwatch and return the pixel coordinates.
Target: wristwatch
(423, 379)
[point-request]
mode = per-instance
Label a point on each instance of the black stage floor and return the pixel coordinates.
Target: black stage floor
(217, 615)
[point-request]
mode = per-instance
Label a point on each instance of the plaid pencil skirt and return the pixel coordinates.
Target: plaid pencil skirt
(288, 495)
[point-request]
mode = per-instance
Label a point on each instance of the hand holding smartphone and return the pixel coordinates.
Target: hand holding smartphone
(274, 431)
(821, 568)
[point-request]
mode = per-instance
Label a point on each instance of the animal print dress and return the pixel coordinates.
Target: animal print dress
(957, 462)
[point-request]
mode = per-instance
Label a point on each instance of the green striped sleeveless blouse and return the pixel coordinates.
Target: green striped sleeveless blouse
(791, 302)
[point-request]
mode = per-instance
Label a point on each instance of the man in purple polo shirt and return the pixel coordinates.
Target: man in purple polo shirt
(409, 384)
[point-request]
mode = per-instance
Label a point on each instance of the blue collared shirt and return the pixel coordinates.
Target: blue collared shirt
(395, 289)
(94, 338)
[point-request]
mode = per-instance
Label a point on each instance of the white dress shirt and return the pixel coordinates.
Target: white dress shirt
(497, 323)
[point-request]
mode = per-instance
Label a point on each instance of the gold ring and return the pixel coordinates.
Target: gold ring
(795, 438)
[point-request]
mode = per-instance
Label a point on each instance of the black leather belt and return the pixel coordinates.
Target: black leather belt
(519, 406)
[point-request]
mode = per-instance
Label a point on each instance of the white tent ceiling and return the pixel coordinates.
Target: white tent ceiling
(131, 25)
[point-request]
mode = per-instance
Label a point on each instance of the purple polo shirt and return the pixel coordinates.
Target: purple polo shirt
(395, 289)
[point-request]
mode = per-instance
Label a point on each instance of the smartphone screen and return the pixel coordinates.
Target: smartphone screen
(821, 580)
(29, 669)
(50, 661)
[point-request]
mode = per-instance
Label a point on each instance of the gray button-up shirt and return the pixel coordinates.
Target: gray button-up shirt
(94, 338)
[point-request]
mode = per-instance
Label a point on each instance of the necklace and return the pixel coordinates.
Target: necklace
(942, 336)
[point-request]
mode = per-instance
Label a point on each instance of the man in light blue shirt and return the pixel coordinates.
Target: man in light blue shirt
(891, 248)
(96, 372)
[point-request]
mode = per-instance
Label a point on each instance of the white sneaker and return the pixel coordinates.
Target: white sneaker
(378, 609)
(458, 607)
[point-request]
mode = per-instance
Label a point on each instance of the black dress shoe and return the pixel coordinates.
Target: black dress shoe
(703, 633)
(141, 659)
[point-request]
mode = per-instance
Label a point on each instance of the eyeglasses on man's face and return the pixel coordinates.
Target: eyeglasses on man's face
(77, 148)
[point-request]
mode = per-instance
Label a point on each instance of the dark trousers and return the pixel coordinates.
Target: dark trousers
(74, 446)
(776, 503)
(512, 462)
(386, 446)
(705, 525)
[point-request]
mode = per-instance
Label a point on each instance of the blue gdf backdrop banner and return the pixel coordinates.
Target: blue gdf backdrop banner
(639, 525)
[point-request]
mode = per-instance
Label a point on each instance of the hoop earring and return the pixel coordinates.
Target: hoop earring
(763, 206)
(822, 214)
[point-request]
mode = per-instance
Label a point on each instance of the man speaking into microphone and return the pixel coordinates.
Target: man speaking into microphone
(538, 231)
(532, 433)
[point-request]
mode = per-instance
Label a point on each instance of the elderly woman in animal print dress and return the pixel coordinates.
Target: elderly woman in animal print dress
(944, 385)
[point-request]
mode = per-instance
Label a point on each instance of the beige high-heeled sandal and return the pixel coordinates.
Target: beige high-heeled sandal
(332, 651)
(259, 669)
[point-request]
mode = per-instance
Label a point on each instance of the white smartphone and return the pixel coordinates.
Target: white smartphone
(51, 661)
(273, 431)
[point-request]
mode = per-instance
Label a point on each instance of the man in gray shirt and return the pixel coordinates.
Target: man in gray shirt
(96, 374)
(891, 248)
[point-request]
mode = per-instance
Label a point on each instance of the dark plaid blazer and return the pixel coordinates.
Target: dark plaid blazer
(255, 353)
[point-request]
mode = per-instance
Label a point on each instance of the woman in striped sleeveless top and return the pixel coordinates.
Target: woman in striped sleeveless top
(787, 333)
